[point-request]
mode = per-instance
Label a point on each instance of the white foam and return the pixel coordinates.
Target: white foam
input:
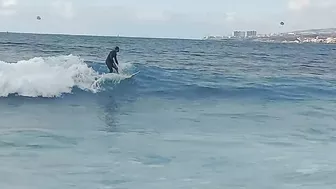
(50, 76)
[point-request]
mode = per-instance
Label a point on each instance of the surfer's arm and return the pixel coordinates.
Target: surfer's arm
(116, 60)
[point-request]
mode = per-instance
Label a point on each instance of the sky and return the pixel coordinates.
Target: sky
(164, 18)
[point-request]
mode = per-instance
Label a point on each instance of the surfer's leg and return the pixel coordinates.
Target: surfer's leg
(109, 66)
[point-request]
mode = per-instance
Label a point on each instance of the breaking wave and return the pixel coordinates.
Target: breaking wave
(52, 77)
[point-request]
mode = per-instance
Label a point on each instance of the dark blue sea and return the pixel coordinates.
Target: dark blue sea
(199, 114)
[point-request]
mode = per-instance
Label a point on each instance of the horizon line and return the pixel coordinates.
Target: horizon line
(97, 35)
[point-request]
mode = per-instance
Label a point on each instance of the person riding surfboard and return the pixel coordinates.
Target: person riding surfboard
(109, 60)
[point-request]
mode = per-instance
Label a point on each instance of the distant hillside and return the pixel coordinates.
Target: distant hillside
(316, 31)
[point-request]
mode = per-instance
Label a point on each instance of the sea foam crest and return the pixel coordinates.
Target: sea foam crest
(49, 76)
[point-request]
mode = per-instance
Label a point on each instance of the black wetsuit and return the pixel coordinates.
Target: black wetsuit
(110, 63)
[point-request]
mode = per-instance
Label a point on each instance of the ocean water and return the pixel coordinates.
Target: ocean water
(200, 114)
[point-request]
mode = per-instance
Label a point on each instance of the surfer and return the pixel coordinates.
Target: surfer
(109, 60)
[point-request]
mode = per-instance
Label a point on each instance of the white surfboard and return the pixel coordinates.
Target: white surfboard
(135, 73)
(117, 77)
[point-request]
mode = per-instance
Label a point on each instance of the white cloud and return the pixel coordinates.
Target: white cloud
(8, 3)
(8, 7)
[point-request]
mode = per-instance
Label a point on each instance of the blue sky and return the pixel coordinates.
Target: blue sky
(162, 18)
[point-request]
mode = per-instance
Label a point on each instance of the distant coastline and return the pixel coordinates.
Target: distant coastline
(327, 35)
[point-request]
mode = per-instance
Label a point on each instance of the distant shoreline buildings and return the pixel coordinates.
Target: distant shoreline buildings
(235, 35)
(244, 34)
(307, 36)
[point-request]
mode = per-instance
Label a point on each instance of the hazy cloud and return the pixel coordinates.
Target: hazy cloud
(311, 14)
(7, 12)
(63, 8)
(310, 4)
(230, 16)
(298, 4)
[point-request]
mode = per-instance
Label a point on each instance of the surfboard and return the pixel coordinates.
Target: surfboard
(107, 74)
(134, 74)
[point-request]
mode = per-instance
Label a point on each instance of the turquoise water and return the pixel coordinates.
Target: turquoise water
(200, 114)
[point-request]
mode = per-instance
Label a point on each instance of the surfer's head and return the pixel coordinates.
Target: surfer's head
(116, 48)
